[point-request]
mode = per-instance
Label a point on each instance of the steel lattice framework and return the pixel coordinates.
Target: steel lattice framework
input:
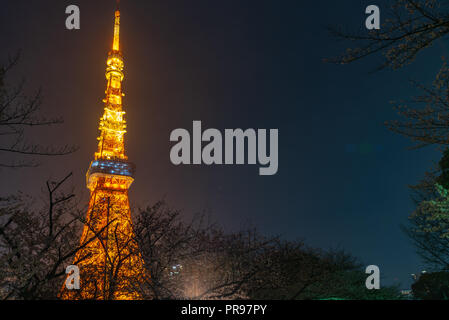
(110, 263)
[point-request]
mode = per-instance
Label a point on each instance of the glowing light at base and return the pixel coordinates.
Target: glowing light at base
(110, 263)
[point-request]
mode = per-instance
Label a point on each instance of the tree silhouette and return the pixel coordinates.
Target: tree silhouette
(17, 113)
(410, 27)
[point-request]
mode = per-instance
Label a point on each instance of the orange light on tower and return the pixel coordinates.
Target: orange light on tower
(116, 44)
(110, 263)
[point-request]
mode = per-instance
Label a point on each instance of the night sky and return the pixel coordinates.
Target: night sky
(343, 177)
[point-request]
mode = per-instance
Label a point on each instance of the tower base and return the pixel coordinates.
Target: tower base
(110, 264)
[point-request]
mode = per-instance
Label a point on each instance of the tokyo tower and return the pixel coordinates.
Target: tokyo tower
(109, 261)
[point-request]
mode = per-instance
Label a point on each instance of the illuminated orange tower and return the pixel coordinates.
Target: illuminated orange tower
(110, 263)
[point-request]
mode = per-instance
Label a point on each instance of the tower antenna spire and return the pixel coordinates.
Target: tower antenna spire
(116, 43)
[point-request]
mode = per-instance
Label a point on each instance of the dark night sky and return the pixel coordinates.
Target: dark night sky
(234, 64)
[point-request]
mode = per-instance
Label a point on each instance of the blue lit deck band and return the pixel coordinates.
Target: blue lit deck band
(120, 168)
(110, 169)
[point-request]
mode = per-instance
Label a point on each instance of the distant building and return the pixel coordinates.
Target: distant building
(407, 294)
